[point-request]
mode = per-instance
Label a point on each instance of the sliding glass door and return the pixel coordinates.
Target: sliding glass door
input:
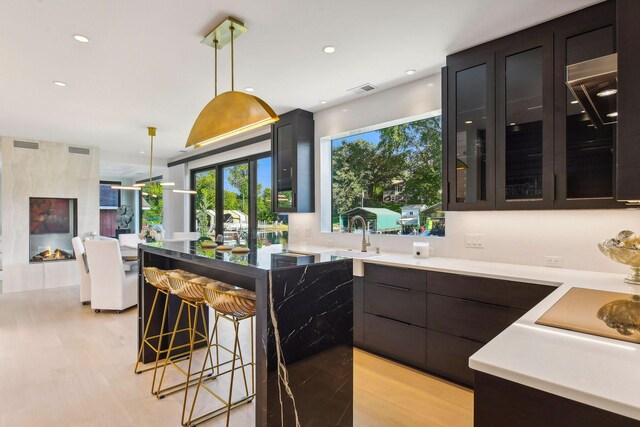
(234, 200)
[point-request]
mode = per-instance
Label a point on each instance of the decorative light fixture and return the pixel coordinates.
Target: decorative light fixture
(230, 113)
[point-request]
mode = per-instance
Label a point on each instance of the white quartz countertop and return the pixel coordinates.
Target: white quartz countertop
(597, 371)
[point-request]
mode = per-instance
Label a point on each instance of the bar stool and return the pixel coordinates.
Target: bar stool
(190, 290)
(159, 280)
(233, 304)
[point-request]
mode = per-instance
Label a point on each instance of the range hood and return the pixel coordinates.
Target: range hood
(594, 83)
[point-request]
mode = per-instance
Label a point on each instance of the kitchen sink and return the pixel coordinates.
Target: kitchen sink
(353, 254)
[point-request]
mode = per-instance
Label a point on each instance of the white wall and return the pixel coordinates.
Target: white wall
(50, 171)
(522, 237)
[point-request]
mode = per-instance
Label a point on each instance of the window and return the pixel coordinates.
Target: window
(392, 177)
(151, 204)
(244, 208)
(109, 202)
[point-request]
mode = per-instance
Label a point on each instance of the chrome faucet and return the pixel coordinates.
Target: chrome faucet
(365, 225)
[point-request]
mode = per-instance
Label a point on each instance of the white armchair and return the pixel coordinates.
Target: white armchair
(83, 268)
(111, 288)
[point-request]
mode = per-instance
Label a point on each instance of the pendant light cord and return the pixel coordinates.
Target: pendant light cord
(231, 28)
(151, 161)
(215, 66)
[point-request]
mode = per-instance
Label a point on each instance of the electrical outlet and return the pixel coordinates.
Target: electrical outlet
(474, 241)
(307, 232)
(553, 261)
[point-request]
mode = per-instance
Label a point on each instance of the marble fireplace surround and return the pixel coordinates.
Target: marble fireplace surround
(51, 170)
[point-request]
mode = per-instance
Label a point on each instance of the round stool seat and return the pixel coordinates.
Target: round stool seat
(159, 279)
(230, 300)
(188, 286)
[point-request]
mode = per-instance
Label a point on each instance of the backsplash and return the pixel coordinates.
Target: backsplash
(518, 237)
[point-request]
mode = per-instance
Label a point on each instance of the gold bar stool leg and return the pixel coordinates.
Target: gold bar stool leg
(169, 350)
(233, 371)
(191, 346)
(155, 368)
(146, 331)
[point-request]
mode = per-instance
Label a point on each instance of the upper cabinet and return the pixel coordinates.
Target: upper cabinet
(293, 165)
(628, 152)
(470, 125)
(517, 137)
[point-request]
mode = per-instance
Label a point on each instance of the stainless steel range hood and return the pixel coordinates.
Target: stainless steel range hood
(594, 83)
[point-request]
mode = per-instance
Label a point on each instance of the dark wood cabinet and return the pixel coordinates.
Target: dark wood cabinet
(470, 121)
(517, 139)
(502, 403)
(628, 139)
(292, 151)
(524, 123)
(435, 321)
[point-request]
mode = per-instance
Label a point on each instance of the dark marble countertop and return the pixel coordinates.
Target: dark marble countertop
(263, 258)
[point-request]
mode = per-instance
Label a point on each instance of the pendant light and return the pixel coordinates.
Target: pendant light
(151, 131)
(230, 113)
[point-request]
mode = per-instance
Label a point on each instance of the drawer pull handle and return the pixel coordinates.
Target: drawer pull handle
(397, 288)
(392, 320)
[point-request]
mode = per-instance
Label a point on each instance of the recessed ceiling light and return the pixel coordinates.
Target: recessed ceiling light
(512, 124)
(249, 89)
(410, 72)
(607, 92)
(329, 49)
(430, 85)
(141, 152)
(574, 101)
(57, 83)
(344, 110)
(323, 102)
(614, 114)
(80, 38)
(582, 111)
(469, 122)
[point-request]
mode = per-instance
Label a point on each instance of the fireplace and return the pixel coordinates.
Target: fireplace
(53, 222)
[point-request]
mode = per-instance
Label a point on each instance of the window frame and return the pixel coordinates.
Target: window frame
(252, 162)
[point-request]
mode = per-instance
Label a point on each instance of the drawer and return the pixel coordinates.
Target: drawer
(493, 291)
(397, 340)
(396, 303)
(402, 277)
(449, 356)
(469, 319)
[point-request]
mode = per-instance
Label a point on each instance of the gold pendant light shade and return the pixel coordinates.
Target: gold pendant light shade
(228, 114)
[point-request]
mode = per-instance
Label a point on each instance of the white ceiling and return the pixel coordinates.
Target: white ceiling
(145, 65)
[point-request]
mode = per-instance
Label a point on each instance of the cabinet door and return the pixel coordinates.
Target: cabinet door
(471, 131)
(524, 123)
(584, 152)
(285, 168)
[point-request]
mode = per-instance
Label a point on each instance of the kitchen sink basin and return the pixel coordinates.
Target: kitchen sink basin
(353, 254)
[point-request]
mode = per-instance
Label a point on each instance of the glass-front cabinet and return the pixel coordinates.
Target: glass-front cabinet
(516, 136)
(292, 139)
(470, 156)
(585, 150)
(524, 125)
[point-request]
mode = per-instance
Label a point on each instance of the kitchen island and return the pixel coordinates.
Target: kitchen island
(311, 300)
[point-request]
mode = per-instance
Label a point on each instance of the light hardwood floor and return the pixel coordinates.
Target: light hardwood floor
(63, 365)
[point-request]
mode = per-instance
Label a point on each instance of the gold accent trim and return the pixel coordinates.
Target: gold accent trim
(229, 114)
(222, 33)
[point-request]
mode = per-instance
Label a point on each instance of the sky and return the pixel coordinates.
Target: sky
(371, 136)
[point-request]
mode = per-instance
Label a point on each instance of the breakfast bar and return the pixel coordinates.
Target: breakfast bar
(309, 299)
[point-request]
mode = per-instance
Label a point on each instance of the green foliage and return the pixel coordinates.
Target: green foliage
(410, 153)
(239, 179)
(205, 199)
(153, 196)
